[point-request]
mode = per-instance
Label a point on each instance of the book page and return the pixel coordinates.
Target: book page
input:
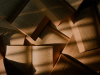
(68, 65)
(98, 7)
(11, 8)
(6, 24)
(29, 18)
(57, 49)
(64, 28)
(8, 7)
(2, 47)
(10, 34)
(42, 59)
(74, 3)
(1, 57)
(55, 10)
(17, 39)
(85, 27)
(71, 48)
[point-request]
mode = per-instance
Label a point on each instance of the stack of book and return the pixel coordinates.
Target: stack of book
(49, 37)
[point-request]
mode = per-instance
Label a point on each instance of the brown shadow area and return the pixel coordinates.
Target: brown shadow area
(2, 47)
(27, 43)
(86, 3)
(17, 10)
(69, 5)
(22, 70)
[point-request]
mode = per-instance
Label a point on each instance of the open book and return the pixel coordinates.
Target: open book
(30, 19)
(38, 57)
(57, 49)
(68, 65)
(86, 29)
(55, 10)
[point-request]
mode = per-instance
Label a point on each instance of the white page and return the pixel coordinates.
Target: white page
(86, 29)
(42, 59)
